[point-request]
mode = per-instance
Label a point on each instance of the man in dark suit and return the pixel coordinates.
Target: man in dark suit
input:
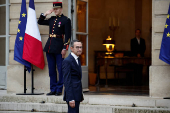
(138, 46)
(56, 47)
(72, 74)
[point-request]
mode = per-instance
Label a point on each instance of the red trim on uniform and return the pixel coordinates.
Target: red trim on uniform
(51, 38)
(57, 2)
(67, 47)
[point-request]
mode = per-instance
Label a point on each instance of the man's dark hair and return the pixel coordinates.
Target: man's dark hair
(73, 41)
(137, 30)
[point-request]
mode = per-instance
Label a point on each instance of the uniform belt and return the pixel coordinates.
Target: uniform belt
(55, 36)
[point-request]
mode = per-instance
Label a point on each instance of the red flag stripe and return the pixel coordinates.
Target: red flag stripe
(33, 51)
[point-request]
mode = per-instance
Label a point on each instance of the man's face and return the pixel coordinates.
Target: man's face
(137, 33)
(77, 49)
(57, 11)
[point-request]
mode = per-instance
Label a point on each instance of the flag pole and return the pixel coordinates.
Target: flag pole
(32, 79)
(32, 88)
(25, 70)
(32, 73)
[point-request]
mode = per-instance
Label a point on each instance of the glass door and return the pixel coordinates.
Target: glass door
(80, 32)
(4, 36)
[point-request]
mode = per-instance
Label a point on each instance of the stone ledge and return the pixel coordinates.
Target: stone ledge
(83, 108)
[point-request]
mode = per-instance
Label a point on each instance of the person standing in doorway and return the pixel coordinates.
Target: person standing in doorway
(138, 48)
(72, 74)
(56, 45)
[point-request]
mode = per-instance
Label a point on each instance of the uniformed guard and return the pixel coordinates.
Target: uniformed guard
(56, 45)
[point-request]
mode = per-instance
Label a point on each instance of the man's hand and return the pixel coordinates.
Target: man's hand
(138, 55)
(63, 52)
(48, 12)
(72, 104)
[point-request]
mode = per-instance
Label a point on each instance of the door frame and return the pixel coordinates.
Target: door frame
(72, 13)
(3, 69)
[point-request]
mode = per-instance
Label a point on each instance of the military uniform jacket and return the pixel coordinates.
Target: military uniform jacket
(58, 27)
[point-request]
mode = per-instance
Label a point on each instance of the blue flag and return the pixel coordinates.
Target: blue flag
(165, 46)
(19, 42)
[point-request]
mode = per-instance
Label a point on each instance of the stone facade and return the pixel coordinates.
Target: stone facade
(159, 71)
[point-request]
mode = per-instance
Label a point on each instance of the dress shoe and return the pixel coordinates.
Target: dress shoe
(51, 93)
(42, 102)
(58, 94)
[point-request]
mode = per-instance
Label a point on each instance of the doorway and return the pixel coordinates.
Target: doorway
(93, 22)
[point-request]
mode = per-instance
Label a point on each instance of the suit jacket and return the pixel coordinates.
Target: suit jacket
(59, 26)
(138, 48)
(72, 74)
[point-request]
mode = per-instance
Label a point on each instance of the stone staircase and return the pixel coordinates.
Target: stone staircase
(91, 104)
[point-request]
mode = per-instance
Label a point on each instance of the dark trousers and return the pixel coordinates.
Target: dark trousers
(138, 74)
(75, 109)
(53, 60)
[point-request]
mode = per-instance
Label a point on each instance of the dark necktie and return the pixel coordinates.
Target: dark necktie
(79, 63)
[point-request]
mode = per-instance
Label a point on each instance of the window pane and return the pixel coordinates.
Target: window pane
(2, 51)
(2, 20)
(83, 58)
(81, 16)
(2, 2)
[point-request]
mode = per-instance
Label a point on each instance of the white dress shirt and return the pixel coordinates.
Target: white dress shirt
(75, 57)
(138, 39)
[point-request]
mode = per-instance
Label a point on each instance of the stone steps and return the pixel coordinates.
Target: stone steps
(92, 100)
(62, 108)
(91, 104)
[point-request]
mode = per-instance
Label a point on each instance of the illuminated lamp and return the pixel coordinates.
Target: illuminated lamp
(109, 45)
